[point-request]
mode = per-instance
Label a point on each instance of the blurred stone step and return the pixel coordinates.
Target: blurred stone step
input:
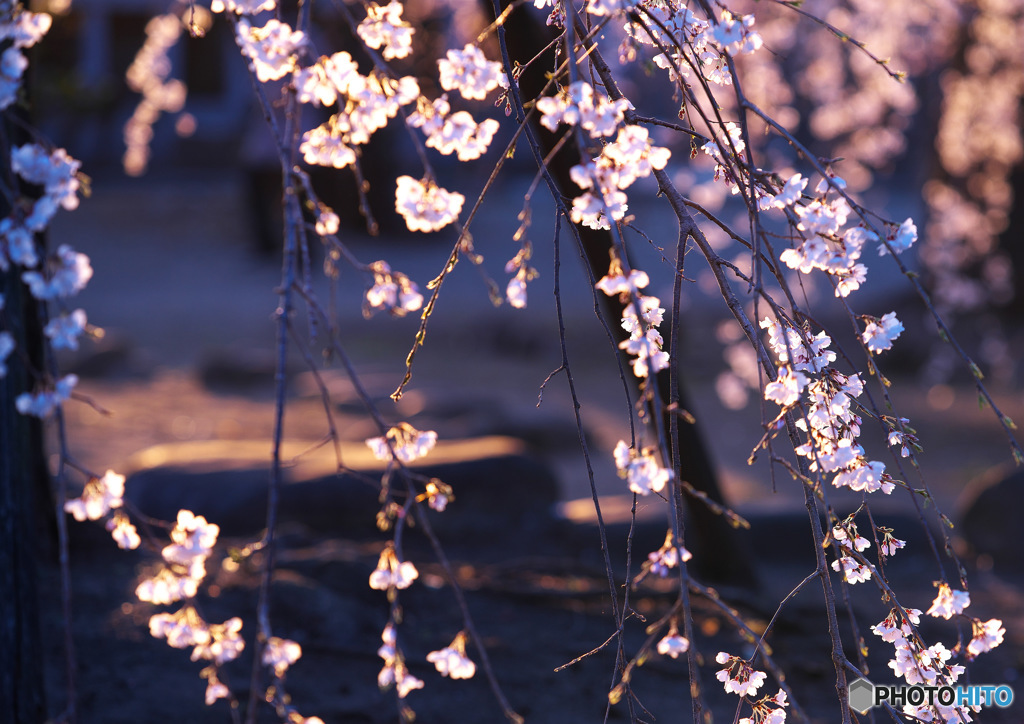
(498, 487)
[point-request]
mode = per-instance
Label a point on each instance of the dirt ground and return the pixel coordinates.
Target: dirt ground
(188, 360)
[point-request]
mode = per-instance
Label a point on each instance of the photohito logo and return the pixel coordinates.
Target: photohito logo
(864, 695)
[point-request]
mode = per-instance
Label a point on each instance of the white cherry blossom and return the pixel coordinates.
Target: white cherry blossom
(273, 48)
(100, 496)
(470, 73)
(948, 602)
(425, 206)
(673, 645)
(280, 653)
(879, 334)
(384, 28)
(403, 442)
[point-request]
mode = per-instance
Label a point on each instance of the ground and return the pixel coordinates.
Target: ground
(187, 361)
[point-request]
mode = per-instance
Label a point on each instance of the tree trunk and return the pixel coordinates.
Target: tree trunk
(22, 698)
(718, 552)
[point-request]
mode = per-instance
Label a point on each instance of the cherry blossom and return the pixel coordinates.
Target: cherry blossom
(68, 272)
(325, 146)
(384, 27)
(391, 291)
(403, 442)
(673, 644)
(425, 206)
(394, 670)
(438, 495)
(56, 172)
(791, 192)
(768, 710)
(889, 544)
(470, 73)
(327, 222)
(391, 572)
(948, 602)
(273, 48)
(65, 330)
(452, 661)
(734, 35)
(902, 240)
(168, 586)
(322, 82)
(101, 495)
(609, 7)
(454, 133)
(667, 557)
(215, 688)
(222, 643)
(122, 531)
(846, 535)
(864, 476)
(580, 105)
(242, 7)
(986, 636)
(45, 402)
(280, 653)
(786, 388)
(7, 346)
(617, 282)
(738, 675)
(640, 469)
(879, 334)
(894, 629)
(24, 30)
(853, 571)
(193, 539)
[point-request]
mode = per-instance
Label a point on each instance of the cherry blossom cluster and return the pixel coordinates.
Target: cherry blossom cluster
(645, 340)
(392, 573)
(579, 105)
(56, 172)
(686, 42)
(395, 672)
(150, 75)
(663, 560)
(920, 664)
(470, 73)
(845, 534)
(738, 676)
(403, 443)
(59, 275)
(192, 539)
(273, 48)
(392, 291)
(630, 157)
(365, 105)
(515, 291)
(640, 469)
(452, 660)
(621, 162)
(829, 420)
(21, 30)
(425, 206)
(99, 497)
(384, 29)
(768, 710)
(449, 132)
(673, 644)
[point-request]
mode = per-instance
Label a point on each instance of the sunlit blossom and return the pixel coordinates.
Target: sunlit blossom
(101, 495)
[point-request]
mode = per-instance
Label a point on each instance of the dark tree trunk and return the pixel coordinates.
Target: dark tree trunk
(718, 552)
(21, 653)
